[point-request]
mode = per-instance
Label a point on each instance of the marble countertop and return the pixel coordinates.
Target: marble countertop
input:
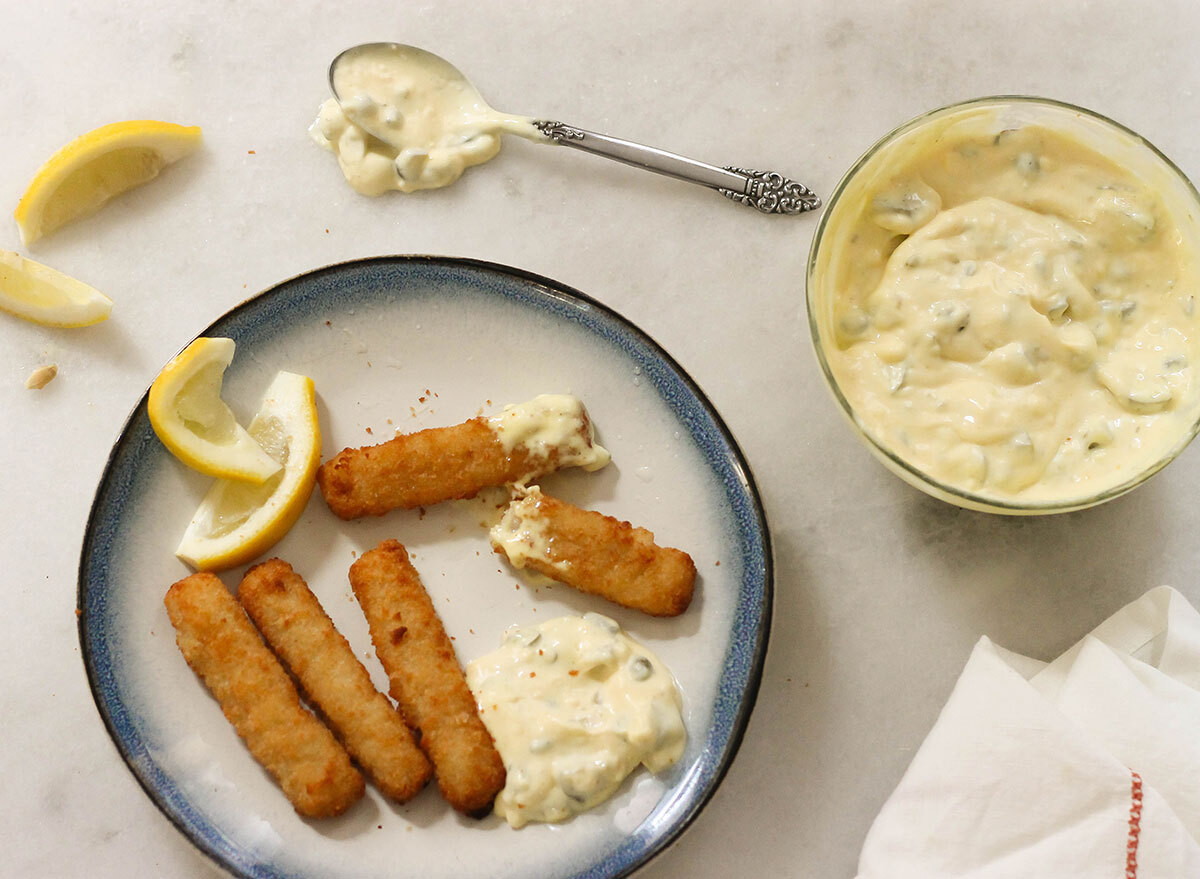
(880, 591)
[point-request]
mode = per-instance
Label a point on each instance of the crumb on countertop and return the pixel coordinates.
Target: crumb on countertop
(41, 376)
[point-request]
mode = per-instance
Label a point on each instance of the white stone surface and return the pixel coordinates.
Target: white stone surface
(880, 591)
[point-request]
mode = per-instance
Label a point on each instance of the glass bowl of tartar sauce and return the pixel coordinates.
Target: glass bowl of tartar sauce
(1002, 296)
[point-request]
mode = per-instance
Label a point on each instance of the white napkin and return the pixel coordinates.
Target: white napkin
(1086, 767)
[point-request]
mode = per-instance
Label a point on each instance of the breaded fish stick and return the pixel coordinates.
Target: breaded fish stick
(595, 553)
(426, 678)
(300, 632)
(222, 646)
(445, 463)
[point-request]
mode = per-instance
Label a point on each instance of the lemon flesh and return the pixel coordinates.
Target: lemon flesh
(237, 522)
(195, 424)
(83, 175)
(40, 294)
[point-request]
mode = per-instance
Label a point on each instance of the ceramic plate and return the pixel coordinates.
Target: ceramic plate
(400, 344)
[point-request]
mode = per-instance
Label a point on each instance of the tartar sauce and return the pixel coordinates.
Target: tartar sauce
(521, 531)
(1015, 315)
(548, 422)
(574, 705)
(410, 121)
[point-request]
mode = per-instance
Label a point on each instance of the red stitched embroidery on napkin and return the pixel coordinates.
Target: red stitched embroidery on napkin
(1135, 826)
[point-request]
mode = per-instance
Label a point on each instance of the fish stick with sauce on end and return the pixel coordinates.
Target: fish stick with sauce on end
(595, 553)
(524, 441)
(225, 650)
(426, 678)
(300, 632)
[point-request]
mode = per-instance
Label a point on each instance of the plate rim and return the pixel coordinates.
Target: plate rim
(739, 722)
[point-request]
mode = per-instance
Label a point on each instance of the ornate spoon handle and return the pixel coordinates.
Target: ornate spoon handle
(768, 191)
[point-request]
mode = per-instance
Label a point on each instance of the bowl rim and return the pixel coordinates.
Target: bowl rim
(908, 472)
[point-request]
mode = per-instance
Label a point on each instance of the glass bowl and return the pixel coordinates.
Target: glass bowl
(827, 261)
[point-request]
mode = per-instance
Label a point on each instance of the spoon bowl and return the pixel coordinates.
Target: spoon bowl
(381, 111)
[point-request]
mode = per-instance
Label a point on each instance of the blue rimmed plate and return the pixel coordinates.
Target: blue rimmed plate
(399, 344)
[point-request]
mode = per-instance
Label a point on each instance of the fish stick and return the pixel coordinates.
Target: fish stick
(595, 553)
(446, 463)
(426, 678)
(300, 632)
(222, 646)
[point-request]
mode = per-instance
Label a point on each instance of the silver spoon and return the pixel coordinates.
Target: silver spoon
(767, 191)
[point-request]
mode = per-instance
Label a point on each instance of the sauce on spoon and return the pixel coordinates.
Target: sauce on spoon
(404, 119)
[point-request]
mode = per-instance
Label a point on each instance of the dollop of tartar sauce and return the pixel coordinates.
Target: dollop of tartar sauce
(521, 531)
(574, 706)
(410, 121)
(551, 421)
(1015, 315)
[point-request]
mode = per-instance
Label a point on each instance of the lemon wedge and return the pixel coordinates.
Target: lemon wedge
(237, 522)
(38, 293)
(91, 169)
(191, 419)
